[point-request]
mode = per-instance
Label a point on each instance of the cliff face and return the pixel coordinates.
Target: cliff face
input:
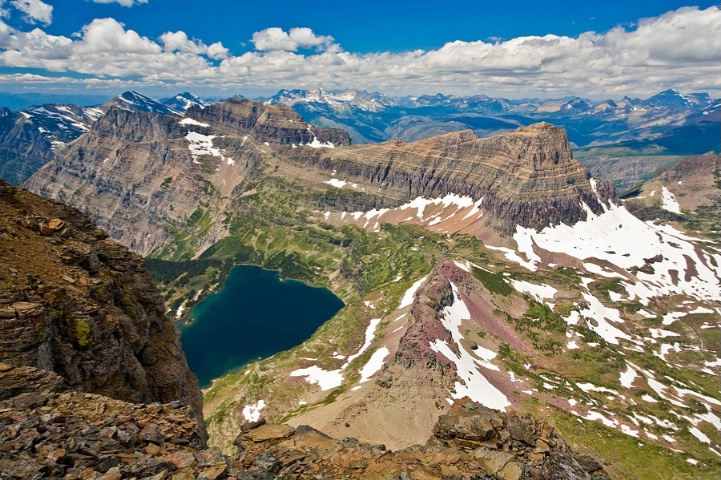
(528, 177)
(77, 304)
(149, 179)
(133, 173)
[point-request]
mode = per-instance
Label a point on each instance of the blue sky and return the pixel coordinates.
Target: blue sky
(523, 48)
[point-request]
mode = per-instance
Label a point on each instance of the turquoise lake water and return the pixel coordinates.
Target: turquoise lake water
(254, 316)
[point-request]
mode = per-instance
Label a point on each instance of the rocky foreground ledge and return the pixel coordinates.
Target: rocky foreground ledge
(47, 430)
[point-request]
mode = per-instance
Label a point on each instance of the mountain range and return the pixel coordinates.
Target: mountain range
(646, 135)
(32, 136)
(495, 268)
(486, 271)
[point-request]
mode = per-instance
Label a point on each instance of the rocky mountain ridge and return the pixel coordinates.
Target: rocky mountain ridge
(661, 124)
(48, 128)
(52, 432)
(144, 176)
(651, 121)
(196, 163)
(23, 149)
(75, 303)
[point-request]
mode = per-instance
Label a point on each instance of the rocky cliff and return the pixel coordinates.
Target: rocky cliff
(528, 177)
(48, 431)
(82, 306)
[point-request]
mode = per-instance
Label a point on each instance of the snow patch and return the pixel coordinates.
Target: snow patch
(605, 237)
(190, 121)
(327, 379)
(251, 413)
(539, 292)
(669, 201)
(375, 363)
(323, 378)
(473, 383)
(603, 316)
(407, 299)
(628, 377)
(334, 182)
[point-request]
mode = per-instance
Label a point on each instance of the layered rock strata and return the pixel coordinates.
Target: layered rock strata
(23, 149)
(149, 179)
(528, 177)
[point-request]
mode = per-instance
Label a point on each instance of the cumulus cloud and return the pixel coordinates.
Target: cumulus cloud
(104, 48)
(680, 49)
(179, 42)
(124, 3)
(274, 38)
(34, 10)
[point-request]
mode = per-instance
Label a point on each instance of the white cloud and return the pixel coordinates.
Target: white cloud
(34, 10)
(274, 38)
(680, 49)
(124, 3)
(179, 42)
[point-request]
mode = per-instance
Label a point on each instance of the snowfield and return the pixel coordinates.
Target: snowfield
(618, 237)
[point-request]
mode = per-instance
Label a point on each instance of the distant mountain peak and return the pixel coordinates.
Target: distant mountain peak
(183, 101)
(132, 100)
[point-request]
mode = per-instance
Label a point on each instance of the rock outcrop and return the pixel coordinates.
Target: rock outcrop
(48, 432)
(528, 177)
(134, 175)
(82, 306)
(469, 442)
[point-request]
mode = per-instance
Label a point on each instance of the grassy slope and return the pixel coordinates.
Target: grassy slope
(274, 228)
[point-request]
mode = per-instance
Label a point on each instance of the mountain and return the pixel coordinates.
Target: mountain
(658, 124)
(184, 170)
(674, 100)
(23, 148)
(338, 100)
(62, 124)
(138, 102)
(689, 190)
(182, 102)
(31, 137)
(527, 177)
(495, 268)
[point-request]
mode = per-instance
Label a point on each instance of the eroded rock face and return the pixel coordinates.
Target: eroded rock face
(146, 178)
(77, 304)
(48, 430)
(528, 177)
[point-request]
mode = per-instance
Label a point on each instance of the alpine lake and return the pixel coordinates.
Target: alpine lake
(255, 315)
